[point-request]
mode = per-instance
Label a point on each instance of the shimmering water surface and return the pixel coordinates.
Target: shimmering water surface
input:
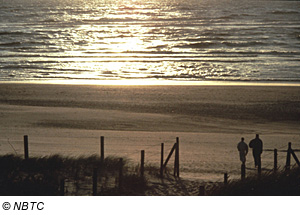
(191, 40)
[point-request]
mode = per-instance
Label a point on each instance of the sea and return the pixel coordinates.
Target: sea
(98, 41)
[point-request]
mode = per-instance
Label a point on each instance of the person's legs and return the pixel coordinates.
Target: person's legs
(258, 160)
(242, 158)
(255, 160)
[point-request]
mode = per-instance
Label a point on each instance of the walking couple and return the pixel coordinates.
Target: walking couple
(257, 147)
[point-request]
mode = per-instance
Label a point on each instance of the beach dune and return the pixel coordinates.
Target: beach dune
(210, 120)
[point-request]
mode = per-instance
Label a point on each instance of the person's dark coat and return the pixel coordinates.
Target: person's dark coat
(256, 145)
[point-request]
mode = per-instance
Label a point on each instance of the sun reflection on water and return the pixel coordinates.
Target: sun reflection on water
(154, 40)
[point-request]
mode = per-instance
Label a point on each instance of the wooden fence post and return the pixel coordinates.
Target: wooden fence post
(102, 149)
(243, 171)
(201, 191)
(26, 152)
(225, 178)
(162, 161)
(288, 157)
(62, 187)
(120, 175)
(142, 162)
(176, 169)
(295, 157)
(95, 179)
(275, 160)
(169, 156)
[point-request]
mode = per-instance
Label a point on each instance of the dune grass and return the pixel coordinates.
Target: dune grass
(42, 176)
(282, 183)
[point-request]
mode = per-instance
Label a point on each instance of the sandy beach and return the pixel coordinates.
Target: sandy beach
(209, 120)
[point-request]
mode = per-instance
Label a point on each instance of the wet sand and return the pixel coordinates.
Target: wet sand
(151, 108)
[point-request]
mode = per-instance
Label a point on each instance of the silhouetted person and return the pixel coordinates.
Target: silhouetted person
(243, 149)
(257, 148)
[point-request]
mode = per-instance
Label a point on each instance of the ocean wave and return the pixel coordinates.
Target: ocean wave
(284, 12)
(197, 45)
(20, 56)
(13, 33)
(205, 38)
(208, 44)
(49, 20)
(110, 20)
(124, 7)
(230, 16)
(243, 43)
(22, 67)
(220, 77)
(40, 68)
(232, 60)
(11, 44)
(255, 53)
(157, 47)
(192, 34)
(23, 44)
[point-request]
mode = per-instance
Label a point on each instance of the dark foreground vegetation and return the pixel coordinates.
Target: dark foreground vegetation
(283, 183)
(43, 177)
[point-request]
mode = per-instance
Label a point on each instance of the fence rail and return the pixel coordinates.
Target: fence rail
(271, 150)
